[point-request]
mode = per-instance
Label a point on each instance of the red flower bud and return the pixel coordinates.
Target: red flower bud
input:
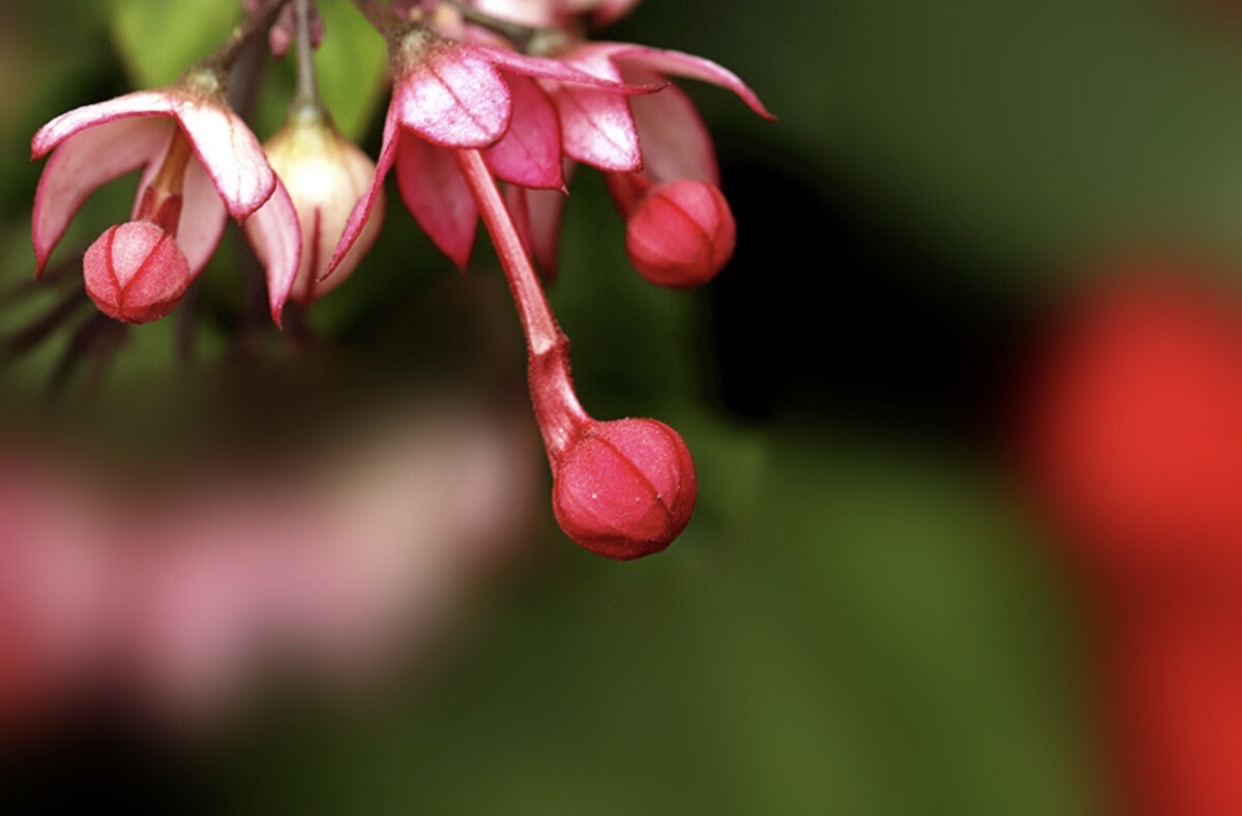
(681, 234)
(135, 272)
(626, 488)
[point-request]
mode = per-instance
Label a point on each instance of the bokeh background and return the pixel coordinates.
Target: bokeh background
(866, 615)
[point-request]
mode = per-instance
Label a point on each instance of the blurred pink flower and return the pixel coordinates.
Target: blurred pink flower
(180, 597)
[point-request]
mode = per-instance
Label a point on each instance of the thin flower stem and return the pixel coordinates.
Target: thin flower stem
(308, 87)
(557, 409)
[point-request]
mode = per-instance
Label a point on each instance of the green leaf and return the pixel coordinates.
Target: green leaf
(351, 64)
(158, 39)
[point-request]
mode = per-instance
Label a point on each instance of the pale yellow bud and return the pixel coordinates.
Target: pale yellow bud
(326, 175)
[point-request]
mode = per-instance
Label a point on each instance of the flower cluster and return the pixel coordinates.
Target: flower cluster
(484, 94)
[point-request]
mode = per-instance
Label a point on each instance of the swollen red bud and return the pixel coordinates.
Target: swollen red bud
(135, 272)
(325, 175)
(681, 233)
(626, 488)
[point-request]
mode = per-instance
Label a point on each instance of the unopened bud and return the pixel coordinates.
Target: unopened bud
(135, 272)
(626, 488)
(325, 175)
(681, 233)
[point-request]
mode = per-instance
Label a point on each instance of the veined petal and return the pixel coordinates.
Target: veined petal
(230, 153)
(361, 212)
(84, 160)
(574, 72)
(529, 153)
(437, 196)
(139, 103)
(454, 97)
(686, 65)
(676, 143)
(277, 240)
(597, 128)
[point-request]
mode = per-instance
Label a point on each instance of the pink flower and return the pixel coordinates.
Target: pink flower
(642, 144)
(453, 96)
(200, 160)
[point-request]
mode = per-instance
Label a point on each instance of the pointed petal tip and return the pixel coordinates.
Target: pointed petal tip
(679, 63)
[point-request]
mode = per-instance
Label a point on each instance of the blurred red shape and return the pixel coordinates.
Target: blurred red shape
(1134, 426)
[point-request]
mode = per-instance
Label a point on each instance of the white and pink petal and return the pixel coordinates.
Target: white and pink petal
(230, 153)
(363, 210)
(139, 103)
(455, 97)
(277, 239)
(84, 160)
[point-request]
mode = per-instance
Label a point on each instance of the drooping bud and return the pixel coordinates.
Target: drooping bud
(626, 488)
(681, 233)
(325, 174)
(135, 272)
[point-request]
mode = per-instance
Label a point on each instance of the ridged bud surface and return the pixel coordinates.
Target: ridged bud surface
(681, 234)
(625, 489)
(135, 272)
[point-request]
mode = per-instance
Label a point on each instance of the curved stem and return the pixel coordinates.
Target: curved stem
(560, 415)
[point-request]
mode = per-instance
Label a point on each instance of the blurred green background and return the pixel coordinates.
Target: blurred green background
(861, 617)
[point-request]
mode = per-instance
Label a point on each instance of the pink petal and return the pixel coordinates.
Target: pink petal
(140, 103)
(538, 214)
(277, 240)
(597, 127)
(676, 143)
(686, 65)
(574, 72)
(202, 212)
(529, 153)
(454, 97)
(229, 151)
(361, 212)
(85, 160)
(203, 216)
(437, 196)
